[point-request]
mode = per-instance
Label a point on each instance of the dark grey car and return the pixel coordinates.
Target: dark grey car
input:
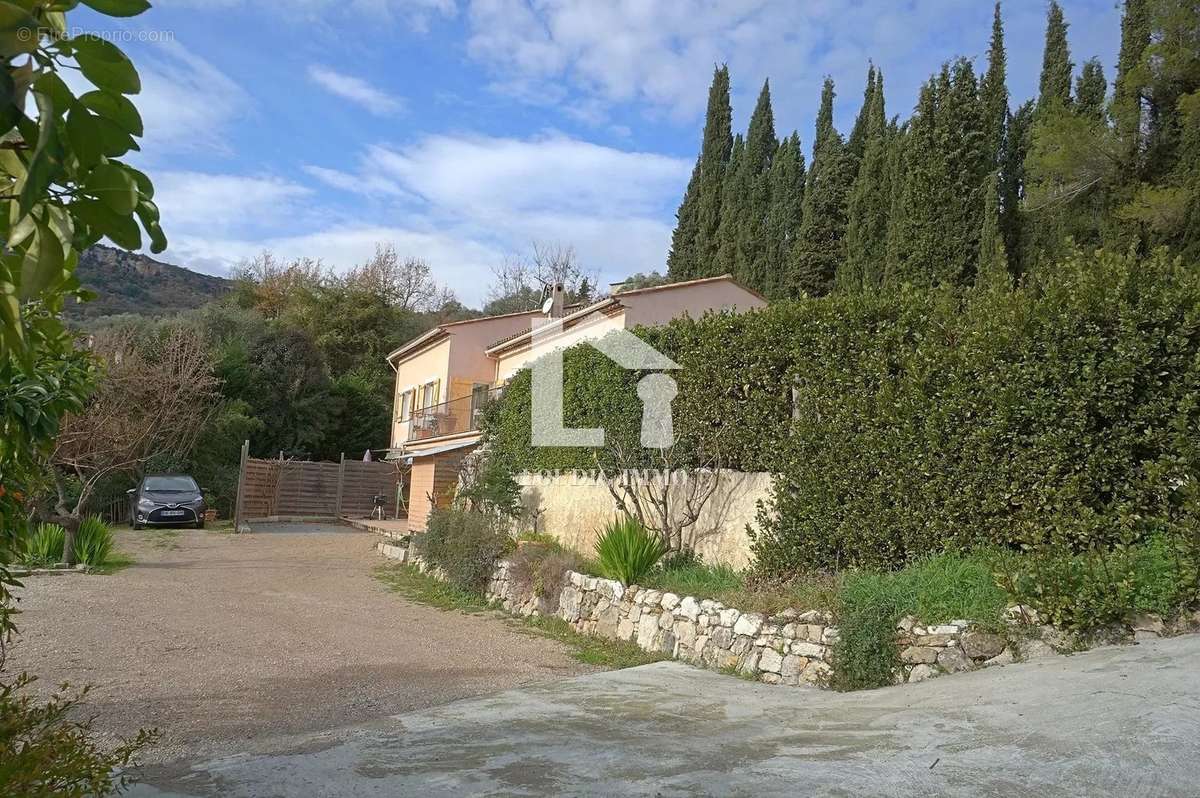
(167, 500)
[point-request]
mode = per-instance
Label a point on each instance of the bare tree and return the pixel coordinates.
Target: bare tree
(271, 281)
(153, 399)
(666, 498)
(403, 282)
(522, 281)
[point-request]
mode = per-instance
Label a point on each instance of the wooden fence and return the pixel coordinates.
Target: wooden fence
(309, 489)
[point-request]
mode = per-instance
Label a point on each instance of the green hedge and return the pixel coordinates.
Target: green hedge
(929, 420)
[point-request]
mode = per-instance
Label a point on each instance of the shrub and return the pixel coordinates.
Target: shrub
(935, 590)
(45, 545)
(866, 656)
(43, 751)
(464, 546)
(627, 551)
(926, 420)
(493, 490)
(93, 542)
(1095, 588)
(541, 569)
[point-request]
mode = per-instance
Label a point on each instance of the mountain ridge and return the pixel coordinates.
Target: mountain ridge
(130, 282)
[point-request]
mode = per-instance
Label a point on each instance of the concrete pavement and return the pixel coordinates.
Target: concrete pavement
(1113, 721)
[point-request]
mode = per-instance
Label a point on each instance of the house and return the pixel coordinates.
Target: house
(444, 376)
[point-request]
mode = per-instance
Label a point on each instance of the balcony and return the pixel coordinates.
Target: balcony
(449, 418)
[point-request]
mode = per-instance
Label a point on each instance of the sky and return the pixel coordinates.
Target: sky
(462, 131)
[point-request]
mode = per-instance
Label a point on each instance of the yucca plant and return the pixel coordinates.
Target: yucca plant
(627, 550)
(45, 545)
(93, 541)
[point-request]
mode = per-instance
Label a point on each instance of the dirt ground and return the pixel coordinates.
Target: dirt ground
(227, 643)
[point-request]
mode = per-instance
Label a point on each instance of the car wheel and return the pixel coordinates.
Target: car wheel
(137, 526)
(200, 524)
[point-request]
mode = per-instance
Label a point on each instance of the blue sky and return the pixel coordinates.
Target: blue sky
(462, 131)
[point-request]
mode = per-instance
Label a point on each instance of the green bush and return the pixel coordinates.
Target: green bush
(1098, 587)
(926, 420)
(935, 590)
(464, 546)
(627, 551)
(541, 569)
(48, 748)
(93, 542)
(45, 545)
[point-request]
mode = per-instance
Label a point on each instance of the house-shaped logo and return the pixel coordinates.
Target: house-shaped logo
(655, 390)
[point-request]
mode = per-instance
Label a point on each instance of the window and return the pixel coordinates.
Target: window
(406, 400)
(429, 394)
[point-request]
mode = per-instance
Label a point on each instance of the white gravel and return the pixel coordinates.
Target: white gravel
(228, 643)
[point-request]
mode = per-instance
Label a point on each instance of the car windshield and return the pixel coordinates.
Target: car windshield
(170, 484)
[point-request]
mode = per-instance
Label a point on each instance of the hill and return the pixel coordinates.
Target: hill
(129, 282)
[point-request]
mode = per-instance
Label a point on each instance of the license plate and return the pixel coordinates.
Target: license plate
(173, 513)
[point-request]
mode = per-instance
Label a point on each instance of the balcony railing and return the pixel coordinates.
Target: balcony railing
(448, 418)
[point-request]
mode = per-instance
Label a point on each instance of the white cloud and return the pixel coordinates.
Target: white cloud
(219, 203)
(356, 90)
(505, 177)
(460, 202)
(660, 56)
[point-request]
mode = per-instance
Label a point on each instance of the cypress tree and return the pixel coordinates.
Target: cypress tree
(823, 227)
(869, 203)
(734, 191)
(1012, 181)
(1090, 90)
(912, 247)
(857, 143)
(1055, 84)
(937, 236)
(1128, 91)
(750, 260)
(783, 221)
(993, 88)
(694, 243)
(992, 268)
(681, 259)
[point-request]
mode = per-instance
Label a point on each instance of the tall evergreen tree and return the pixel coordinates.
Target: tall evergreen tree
(948, 164)
(734, 193)
(750, 259)
(1090, 90)
(1127, 112)
(869, 204)
(819, 245)
(783, 221)
(694, 243)
(993, 88)
(992, 268)
(857, 143)
(1012, 182)
(1055, 84)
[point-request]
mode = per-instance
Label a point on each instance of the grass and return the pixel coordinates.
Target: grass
(598, 651)
(733, 588)
(425, 589)
(116, 561)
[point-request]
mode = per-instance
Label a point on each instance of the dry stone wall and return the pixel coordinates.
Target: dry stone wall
(793, 647)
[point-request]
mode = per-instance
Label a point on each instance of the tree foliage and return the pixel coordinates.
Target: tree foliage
(1072, 165)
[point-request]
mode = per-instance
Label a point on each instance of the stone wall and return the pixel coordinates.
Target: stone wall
(793, 647)
(574, 507)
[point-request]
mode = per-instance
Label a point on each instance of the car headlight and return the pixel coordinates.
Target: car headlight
(146, 504)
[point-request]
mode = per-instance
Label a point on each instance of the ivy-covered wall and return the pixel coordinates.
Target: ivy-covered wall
(1067, 410)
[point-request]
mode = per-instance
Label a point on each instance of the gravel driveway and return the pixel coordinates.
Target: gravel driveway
(228, 642)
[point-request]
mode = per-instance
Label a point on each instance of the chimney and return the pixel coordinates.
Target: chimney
(558, 301)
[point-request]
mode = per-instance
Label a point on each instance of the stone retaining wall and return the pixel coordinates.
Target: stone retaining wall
(792, 647)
